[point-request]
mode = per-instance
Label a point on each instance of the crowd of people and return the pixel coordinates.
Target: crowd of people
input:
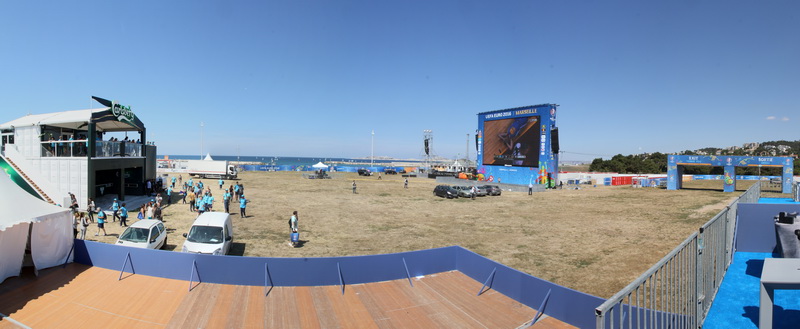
(201, 199)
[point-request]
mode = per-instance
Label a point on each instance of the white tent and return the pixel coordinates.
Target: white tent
(208, 157)
(50, 228)
(320, 165)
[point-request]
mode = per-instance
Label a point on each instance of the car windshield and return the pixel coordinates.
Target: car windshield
(205, 234)
(134, 234)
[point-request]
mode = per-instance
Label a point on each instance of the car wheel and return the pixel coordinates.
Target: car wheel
(165, 243)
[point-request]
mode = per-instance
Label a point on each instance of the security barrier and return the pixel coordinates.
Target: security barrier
(679, 289)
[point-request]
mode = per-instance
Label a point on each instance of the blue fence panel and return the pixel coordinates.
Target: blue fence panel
(568, 305)
(755, 229)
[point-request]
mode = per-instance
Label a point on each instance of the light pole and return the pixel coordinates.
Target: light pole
(372, 152)
(201, 139)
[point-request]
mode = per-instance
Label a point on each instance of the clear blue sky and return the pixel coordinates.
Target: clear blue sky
(314, 78)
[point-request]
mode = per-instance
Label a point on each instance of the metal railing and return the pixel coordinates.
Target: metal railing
(79, 148)
(678, 290)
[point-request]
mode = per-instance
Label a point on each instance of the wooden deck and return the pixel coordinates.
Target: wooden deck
(80, 296)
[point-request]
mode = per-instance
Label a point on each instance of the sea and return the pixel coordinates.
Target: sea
(297, 161)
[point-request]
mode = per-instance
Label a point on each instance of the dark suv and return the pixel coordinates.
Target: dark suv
(445, 191)
(493, 189)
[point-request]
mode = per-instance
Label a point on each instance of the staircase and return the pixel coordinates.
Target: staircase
(30, 182)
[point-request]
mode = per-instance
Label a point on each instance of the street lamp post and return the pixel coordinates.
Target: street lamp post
(201, 139)
(372, 152)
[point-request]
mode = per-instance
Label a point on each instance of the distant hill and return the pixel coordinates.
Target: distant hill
(655, 163)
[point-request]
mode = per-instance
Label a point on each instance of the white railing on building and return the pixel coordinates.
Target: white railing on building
(678, 290)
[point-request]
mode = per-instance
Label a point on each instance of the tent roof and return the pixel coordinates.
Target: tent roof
(18, 206)
(78, 119)
(319, 165)
(208, 157)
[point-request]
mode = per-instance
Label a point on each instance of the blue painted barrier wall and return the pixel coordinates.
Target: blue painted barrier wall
(755, 227)
(564, 304)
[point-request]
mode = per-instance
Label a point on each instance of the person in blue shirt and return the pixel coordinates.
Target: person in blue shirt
(236, 191)
(220, 183)
(226, 200)
(123, 215)
(174, 179)
(201, 206)
(169, 192)
(101, 220)
(242, 206)
(209, 201)
(115, 209)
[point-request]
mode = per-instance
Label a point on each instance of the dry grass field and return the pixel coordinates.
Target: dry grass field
(595, 239)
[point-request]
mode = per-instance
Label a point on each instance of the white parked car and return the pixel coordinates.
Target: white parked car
(211, 233)
(145, 233)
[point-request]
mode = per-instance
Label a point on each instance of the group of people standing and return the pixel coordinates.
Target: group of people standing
(200, 198)
(82, 219)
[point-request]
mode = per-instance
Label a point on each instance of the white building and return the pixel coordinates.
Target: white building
(62, 152)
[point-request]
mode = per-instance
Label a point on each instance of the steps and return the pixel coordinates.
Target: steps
(30, 182)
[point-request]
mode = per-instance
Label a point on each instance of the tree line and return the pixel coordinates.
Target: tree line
(656, 163)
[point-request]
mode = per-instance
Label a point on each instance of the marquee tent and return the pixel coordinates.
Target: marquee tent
(320, 165)
(50, 227)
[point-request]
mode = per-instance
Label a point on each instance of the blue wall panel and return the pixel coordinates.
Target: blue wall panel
(755, 229)
(568, 305)
(565, 304)
(282, 271)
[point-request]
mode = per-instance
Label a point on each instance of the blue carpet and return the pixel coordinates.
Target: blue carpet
(736, 303)
(776, 200)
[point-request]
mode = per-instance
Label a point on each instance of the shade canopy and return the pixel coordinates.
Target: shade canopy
(50, 230)
(320, 165)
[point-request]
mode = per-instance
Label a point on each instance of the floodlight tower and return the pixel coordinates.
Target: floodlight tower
(427, 136)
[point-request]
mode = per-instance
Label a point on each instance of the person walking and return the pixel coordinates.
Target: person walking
(173, 181)
(123, 215)
(226, 201)
(243, 206)
(293, 222)
(76, 219)
(530, 188)
(85, 221)
(115, 210)
(209, 201)
(101, 220)
(294, 237)
(169, 195)
(236, 192)
(474, 191)
(405, 184)
(90, 208)
(354, 187)
(192, 199)
(221, 182)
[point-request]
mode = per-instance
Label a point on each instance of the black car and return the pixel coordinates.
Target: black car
(364, 172)
(445, 191)
(493, 189)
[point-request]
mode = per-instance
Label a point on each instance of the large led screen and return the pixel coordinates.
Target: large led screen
(513, 142)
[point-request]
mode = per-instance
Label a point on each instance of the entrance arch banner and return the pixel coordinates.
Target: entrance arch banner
(676, 163)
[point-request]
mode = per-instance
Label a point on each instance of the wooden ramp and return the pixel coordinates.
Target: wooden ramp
(81, 296)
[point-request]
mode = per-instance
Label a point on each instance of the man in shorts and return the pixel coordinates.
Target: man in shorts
(101, 220)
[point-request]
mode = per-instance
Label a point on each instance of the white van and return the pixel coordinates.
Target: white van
(211, 233)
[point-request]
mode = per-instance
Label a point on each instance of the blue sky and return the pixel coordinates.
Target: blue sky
(314, 78)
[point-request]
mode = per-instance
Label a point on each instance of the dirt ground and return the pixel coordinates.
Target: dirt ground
(593, 239)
